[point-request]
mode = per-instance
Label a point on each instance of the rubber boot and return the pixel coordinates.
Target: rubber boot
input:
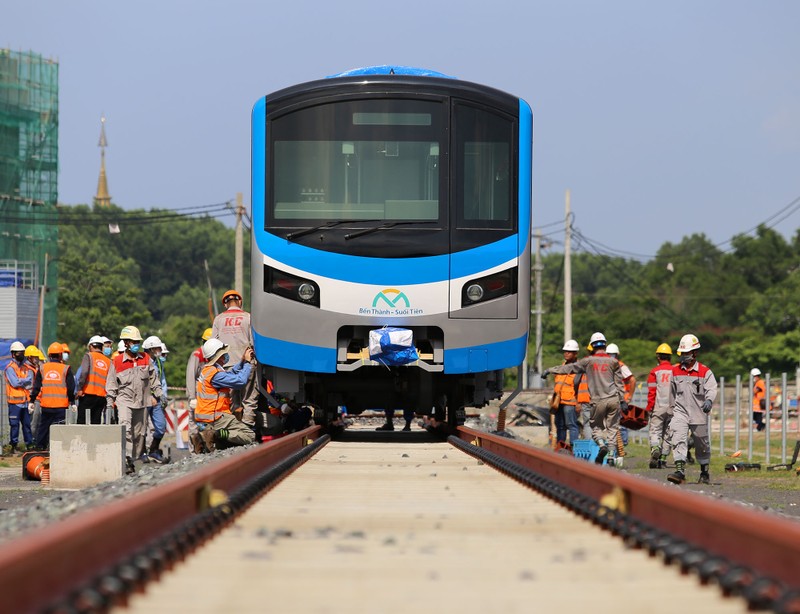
(407, 427)
(389, 426)
(705, 478)
(655, 456)
(601, 454)
(155, 452)
(678, 476)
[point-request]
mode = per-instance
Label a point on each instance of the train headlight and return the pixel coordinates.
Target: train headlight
(291, 286)
(475, 293)
(493, 286)
(306, 292)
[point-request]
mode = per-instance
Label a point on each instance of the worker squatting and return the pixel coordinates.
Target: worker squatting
(127, 385)
(680, 398)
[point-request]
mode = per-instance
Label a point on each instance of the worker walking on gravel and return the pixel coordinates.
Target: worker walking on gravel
(606, 390)
(658, 384)
(567, 390)
(157, 407)
(692, 393)
(213, 412)
(132, 379)
(629, 386)
(232, 327)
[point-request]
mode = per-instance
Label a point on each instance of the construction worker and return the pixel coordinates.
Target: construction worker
(193, 368)
(92, 376)
(213, 411)
(606, 390)
(629, 385)
(232, 327)
(56, 383)
(759, 398)
(691, 395)
(658, 385)
(584, 407)
(132, 379)
(33, 360)
(565, 387)
(19, 381)
(157, 406)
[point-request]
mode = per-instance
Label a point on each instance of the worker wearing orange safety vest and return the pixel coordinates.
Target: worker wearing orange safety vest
(19, 380)
(759, 398)
(629, 386)
(584, 408)
(54, 386)
(213, 412)
(566, 417)
(92, 382)
(658, 384)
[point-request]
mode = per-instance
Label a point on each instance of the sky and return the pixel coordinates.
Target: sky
(663, 119)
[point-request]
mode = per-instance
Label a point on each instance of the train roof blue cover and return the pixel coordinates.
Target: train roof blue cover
(388, 69)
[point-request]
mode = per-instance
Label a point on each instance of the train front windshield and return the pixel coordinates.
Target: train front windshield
(386, 160)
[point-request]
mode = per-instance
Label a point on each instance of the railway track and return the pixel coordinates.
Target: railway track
(392, 526)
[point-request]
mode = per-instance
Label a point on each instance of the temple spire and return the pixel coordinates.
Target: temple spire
(102, 198)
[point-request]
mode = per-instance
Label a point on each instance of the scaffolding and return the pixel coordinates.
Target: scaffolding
(29, 170)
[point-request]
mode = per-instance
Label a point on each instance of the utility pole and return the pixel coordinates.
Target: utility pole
(567, 269)
(537, 285)
(238, 283)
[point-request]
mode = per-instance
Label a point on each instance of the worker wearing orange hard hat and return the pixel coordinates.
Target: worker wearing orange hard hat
(54, 386)
(232, 327)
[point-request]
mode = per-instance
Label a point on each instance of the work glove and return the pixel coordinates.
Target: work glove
(193, 404)
(707, 406)
(623, 406)
(164, 401)
(545, 374)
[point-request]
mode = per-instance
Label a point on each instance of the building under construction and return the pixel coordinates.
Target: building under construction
(28, 195)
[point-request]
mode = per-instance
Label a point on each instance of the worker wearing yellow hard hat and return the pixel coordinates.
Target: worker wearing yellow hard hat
(658, 385)
(193, 368)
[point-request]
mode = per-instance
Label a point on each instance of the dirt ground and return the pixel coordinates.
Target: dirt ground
(773, 491)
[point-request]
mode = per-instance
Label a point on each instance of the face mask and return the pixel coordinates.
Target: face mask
(107, 351)
(135, 348)
(687, 359)
(65, 356)
(162, 358)
(226, 359)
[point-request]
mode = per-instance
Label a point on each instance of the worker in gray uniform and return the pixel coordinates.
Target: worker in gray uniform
(691, 396)
(606, 389)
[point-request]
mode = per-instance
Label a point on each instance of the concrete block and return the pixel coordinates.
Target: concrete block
(83, 455)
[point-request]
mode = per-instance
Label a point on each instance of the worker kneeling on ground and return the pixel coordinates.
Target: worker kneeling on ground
(213, 412)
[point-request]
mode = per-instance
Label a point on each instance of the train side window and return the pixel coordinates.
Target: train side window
(484, 196)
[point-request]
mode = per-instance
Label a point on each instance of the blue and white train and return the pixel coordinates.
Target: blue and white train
(391, 196)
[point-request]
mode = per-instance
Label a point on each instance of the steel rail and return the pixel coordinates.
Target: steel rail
(41, 568)
(750, 541)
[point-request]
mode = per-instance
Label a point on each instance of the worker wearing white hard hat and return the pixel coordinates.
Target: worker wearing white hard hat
(629, 384)
(92, 376)
(566, 418)
(156, 409)
(215, 421)
(19, 381)
(759, 387)
(132, 381)
(692, 393)
(606, 389)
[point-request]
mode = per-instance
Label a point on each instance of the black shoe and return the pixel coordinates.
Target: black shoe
(677, 477)
(386, 427)
(655, 456)
(130, 468)
(704, 479)
(601, 455)
(690, 458)
(662, 464)
(407, 427)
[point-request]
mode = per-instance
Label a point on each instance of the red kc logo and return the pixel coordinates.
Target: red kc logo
(233, 321)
